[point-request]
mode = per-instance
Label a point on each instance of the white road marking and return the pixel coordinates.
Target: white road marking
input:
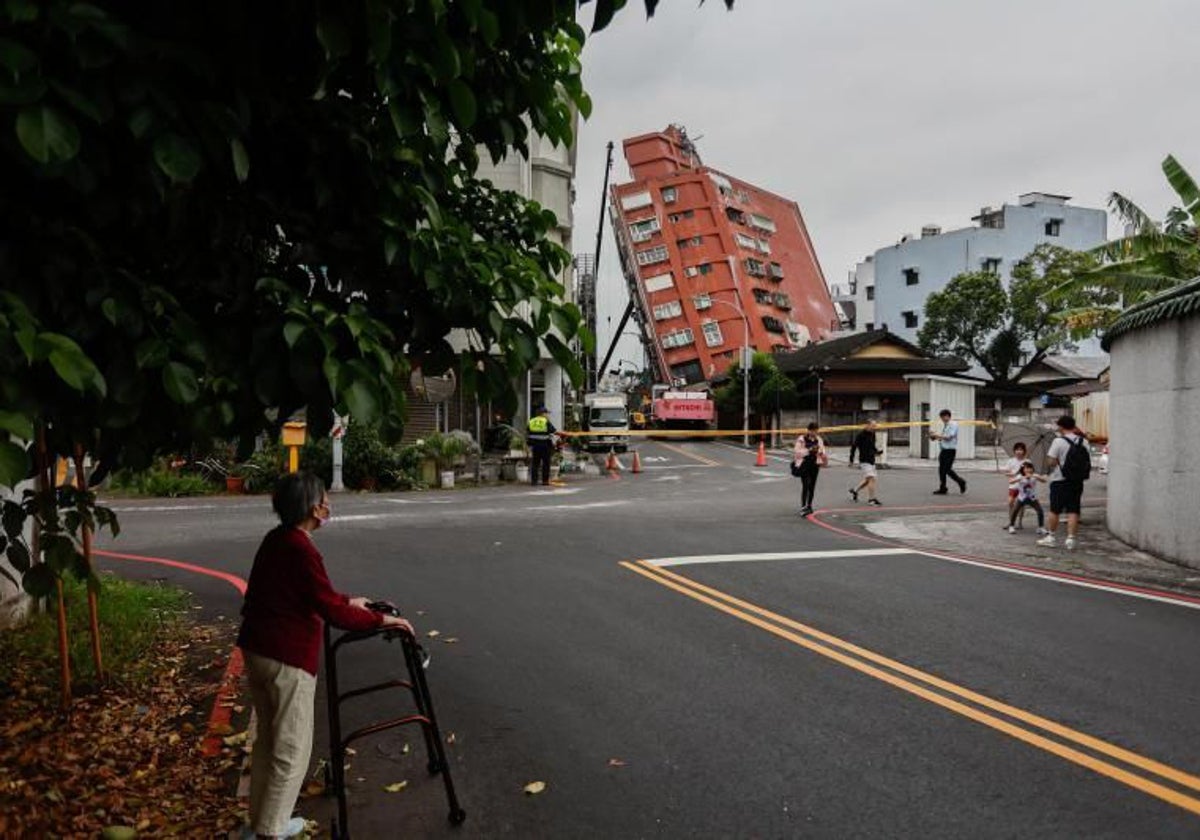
(1071, 581)
(778, 555)
(159, 508)
(488, 511)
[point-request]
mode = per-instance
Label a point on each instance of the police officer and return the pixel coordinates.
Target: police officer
(541, 443)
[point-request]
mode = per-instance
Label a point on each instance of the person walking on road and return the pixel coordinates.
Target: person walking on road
(948, 445)
(864, 445)
(1072, 465)
(287, 599)
(808, 457)
(1024, 484)
(541, 443)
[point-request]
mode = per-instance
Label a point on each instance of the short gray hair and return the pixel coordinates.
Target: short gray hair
(295, 495)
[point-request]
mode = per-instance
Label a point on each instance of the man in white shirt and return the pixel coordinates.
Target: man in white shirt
(1066, 495)
(948, 440)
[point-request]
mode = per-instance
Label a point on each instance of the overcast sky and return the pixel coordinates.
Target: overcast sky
(879, 116)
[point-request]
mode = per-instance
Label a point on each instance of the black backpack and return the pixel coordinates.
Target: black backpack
(1077, 464)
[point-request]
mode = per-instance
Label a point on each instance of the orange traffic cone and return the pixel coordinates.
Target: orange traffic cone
(637, 462)
(612, 464)
(762, 455)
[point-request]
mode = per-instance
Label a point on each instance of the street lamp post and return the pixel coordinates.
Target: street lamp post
(746, 355)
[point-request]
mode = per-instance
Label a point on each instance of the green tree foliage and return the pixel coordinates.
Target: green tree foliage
(976, 318)
(1152, 257)
(215, 214)
(770, 388)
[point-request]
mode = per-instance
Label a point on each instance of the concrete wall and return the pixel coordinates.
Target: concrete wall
(939, 258)
(1154, 421)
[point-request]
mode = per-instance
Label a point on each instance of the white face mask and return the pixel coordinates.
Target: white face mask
(322, 513)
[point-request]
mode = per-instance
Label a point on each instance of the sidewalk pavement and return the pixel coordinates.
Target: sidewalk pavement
(980, 532)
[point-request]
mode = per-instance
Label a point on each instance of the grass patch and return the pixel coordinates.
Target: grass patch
(133, 617)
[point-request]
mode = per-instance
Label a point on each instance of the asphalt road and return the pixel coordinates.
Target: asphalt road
(626, 642)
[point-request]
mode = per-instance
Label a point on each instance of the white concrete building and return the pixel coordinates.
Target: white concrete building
(891, 285)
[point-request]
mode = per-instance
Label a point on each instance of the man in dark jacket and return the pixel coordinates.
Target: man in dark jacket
(864, 445)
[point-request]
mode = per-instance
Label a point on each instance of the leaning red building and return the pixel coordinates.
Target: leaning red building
(711, 261)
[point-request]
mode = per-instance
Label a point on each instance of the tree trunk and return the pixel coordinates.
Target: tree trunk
(45, 482)
(86, 538)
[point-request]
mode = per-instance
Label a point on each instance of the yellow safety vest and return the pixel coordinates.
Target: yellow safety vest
(539, 425)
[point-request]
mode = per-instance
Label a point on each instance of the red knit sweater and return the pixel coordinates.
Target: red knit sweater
(288, 595)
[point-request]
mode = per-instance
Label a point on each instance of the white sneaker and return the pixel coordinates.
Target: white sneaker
(295, 827)
(1048, 540)
(1011, 529)
(1042, 532)
(1070, 543)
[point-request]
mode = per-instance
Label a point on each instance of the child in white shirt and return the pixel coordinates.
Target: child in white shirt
(1012, 468)
(1025, 486)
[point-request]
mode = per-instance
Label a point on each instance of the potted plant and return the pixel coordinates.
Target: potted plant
(446, 450)
(235, 478)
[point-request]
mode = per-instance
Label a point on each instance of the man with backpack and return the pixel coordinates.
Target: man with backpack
(1071, 465)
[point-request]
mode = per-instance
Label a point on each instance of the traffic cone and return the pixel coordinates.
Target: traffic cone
(637, 462)
(762, 455)
(612, 464)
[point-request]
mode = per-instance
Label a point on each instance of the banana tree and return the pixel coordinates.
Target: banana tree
(1152, 256)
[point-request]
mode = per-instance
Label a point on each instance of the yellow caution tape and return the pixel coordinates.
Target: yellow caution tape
(742, 432)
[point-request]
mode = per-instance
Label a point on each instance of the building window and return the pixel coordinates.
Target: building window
(910, 319)
(991, 265)
(762, 223)
(762, 296)
(735, 215)
(870, 293)
(755, 267)
(911, 276)
(764, 246)
(723, 185)
(782, 301)
(747, 242)
(702, 301)
(712, 334)
(633, 202)
(678, 338)
(668, 195)
(643, 229)
(776, 271)
(771, 324)
(658, 282)
(1053, 227)
(671, 309)
(652, 255)
(690, 242)
(694, 270)
(686, 214)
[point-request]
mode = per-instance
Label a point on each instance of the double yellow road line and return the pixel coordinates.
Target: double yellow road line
(1144, 774)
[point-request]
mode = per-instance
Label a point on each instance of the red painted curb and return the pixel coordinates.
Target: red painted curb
(222, 711)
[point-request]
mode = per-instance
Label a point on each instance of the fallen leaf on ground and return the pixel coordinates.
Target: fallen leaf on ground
(395, 787)
(313, 787)
(535, 787)
(450, 641)
(616, 762)
(433, 634)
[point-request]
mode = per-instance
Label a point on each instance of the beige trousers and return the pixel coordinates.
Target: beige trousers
(283, 704)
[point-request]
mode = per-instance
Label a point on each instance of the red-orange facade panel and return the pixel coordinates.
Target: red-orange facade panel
(702, 249)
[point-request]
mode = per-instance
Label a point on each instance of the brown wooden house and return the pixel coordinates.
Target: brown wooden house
(859, 376)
